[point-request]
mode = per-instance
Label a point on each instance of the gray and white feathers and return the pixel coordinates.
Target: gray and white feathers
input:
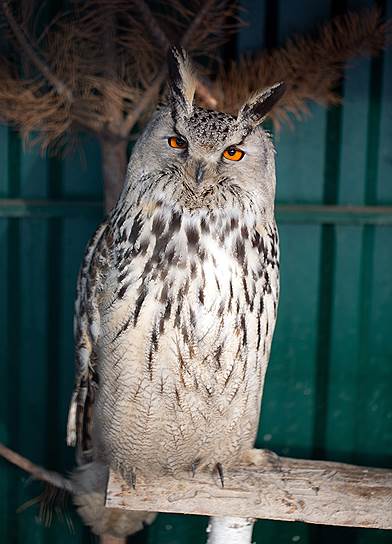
(178, 294)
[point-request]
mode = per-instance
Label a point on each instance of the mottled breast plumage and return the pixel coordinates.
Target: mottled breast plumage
(177, 301)
(191, 317)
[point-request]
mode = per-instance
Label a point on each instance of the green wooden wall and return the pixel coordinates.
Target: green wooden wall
(328, 389)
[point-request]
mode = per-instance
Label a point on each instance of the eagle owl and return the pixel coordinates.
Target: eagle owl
(177, 301)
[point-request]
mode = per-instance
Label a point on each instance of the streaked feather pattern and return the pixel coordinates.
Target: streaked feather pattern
(182, 315)
(177, 302)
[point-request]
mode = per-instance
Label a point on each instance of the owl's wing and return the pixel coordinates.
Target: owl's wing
(86, 332)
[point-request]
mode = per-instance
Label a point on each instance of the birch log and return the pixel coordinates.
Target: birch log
(229, 530)
(107, 539)
(269, 487)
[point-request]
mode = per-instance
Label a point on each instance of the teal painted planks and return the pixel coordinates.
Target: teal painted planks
(13, 345)
(345, 347)
(345, 332)
(3, 161)
(33, 385)
(173, 529)
(82, 177)
(384, 153)
(33, 382)
(75, 236)
(5, 473)
(374, 401)
(352, 173)
(289, 385)
(252, 37)
(300, 177)
(47, 209)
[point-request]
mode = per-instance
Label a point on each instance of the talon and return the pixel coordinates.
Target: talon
(133, 479)
(194, 466)
(220, 472)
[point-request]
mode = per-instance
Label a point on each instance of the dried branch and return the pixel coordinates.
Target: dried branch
(151, 22)
(53, 478)
(196, 23)
(27, 48)
(160, 37)
(148, 98)
(82, 85)
(207, 25)
(310, 66)
(83, 80)
(151, 94)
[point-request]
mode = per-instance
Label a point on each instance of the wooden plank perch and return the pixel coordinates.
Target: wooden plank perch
(266, 486)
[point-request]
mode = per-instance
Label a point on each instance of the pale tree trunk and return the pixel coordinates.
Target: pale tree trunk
(230, 530)
(114, 167)
(107, 539)
(114, 151)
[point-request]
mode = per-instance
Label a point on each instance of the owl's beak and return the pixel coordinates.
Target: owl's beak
(199, 172)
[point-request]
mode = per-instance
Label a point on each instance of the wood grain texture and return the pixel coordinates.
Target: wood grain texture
(107, 539)
(270, 487)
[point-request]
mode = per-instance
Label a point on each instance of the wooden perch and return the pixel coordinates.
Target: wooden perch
(268, 487)
(108, 539)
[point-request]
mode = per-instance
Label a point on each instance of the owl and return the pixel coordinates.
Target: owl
(177, 302)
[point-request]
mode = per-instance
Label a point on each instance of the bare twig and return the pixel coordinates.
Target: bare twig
(155, 30)
(59, 85)
(150, 95)
(160, 37)
(197, 21)
(311, 66)
(37, 472)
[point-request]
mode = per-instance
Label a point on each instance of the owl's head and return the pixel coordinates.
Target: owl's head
(197, 158)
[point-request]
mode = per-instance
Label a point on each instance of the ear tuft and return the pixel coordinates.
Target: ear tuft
(255, 110)
(182, 80)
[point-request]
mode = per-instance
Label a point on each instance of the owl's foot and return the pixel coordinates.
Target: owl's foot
(133, 479)
(194, 466)
(219, 468)
(259, 457)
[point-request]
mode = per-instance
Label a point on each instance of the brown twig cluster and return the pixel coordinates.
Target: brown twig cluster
(99, 67)
(56, 490)
(38, 473)
(310, 66)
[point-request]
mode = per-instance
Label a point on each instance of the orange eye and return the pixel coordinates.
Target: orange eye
(233, 153)
(177, 142)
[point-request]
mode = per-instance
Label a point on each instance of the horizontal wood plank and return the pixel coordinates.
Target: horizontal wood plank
(266, 486)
